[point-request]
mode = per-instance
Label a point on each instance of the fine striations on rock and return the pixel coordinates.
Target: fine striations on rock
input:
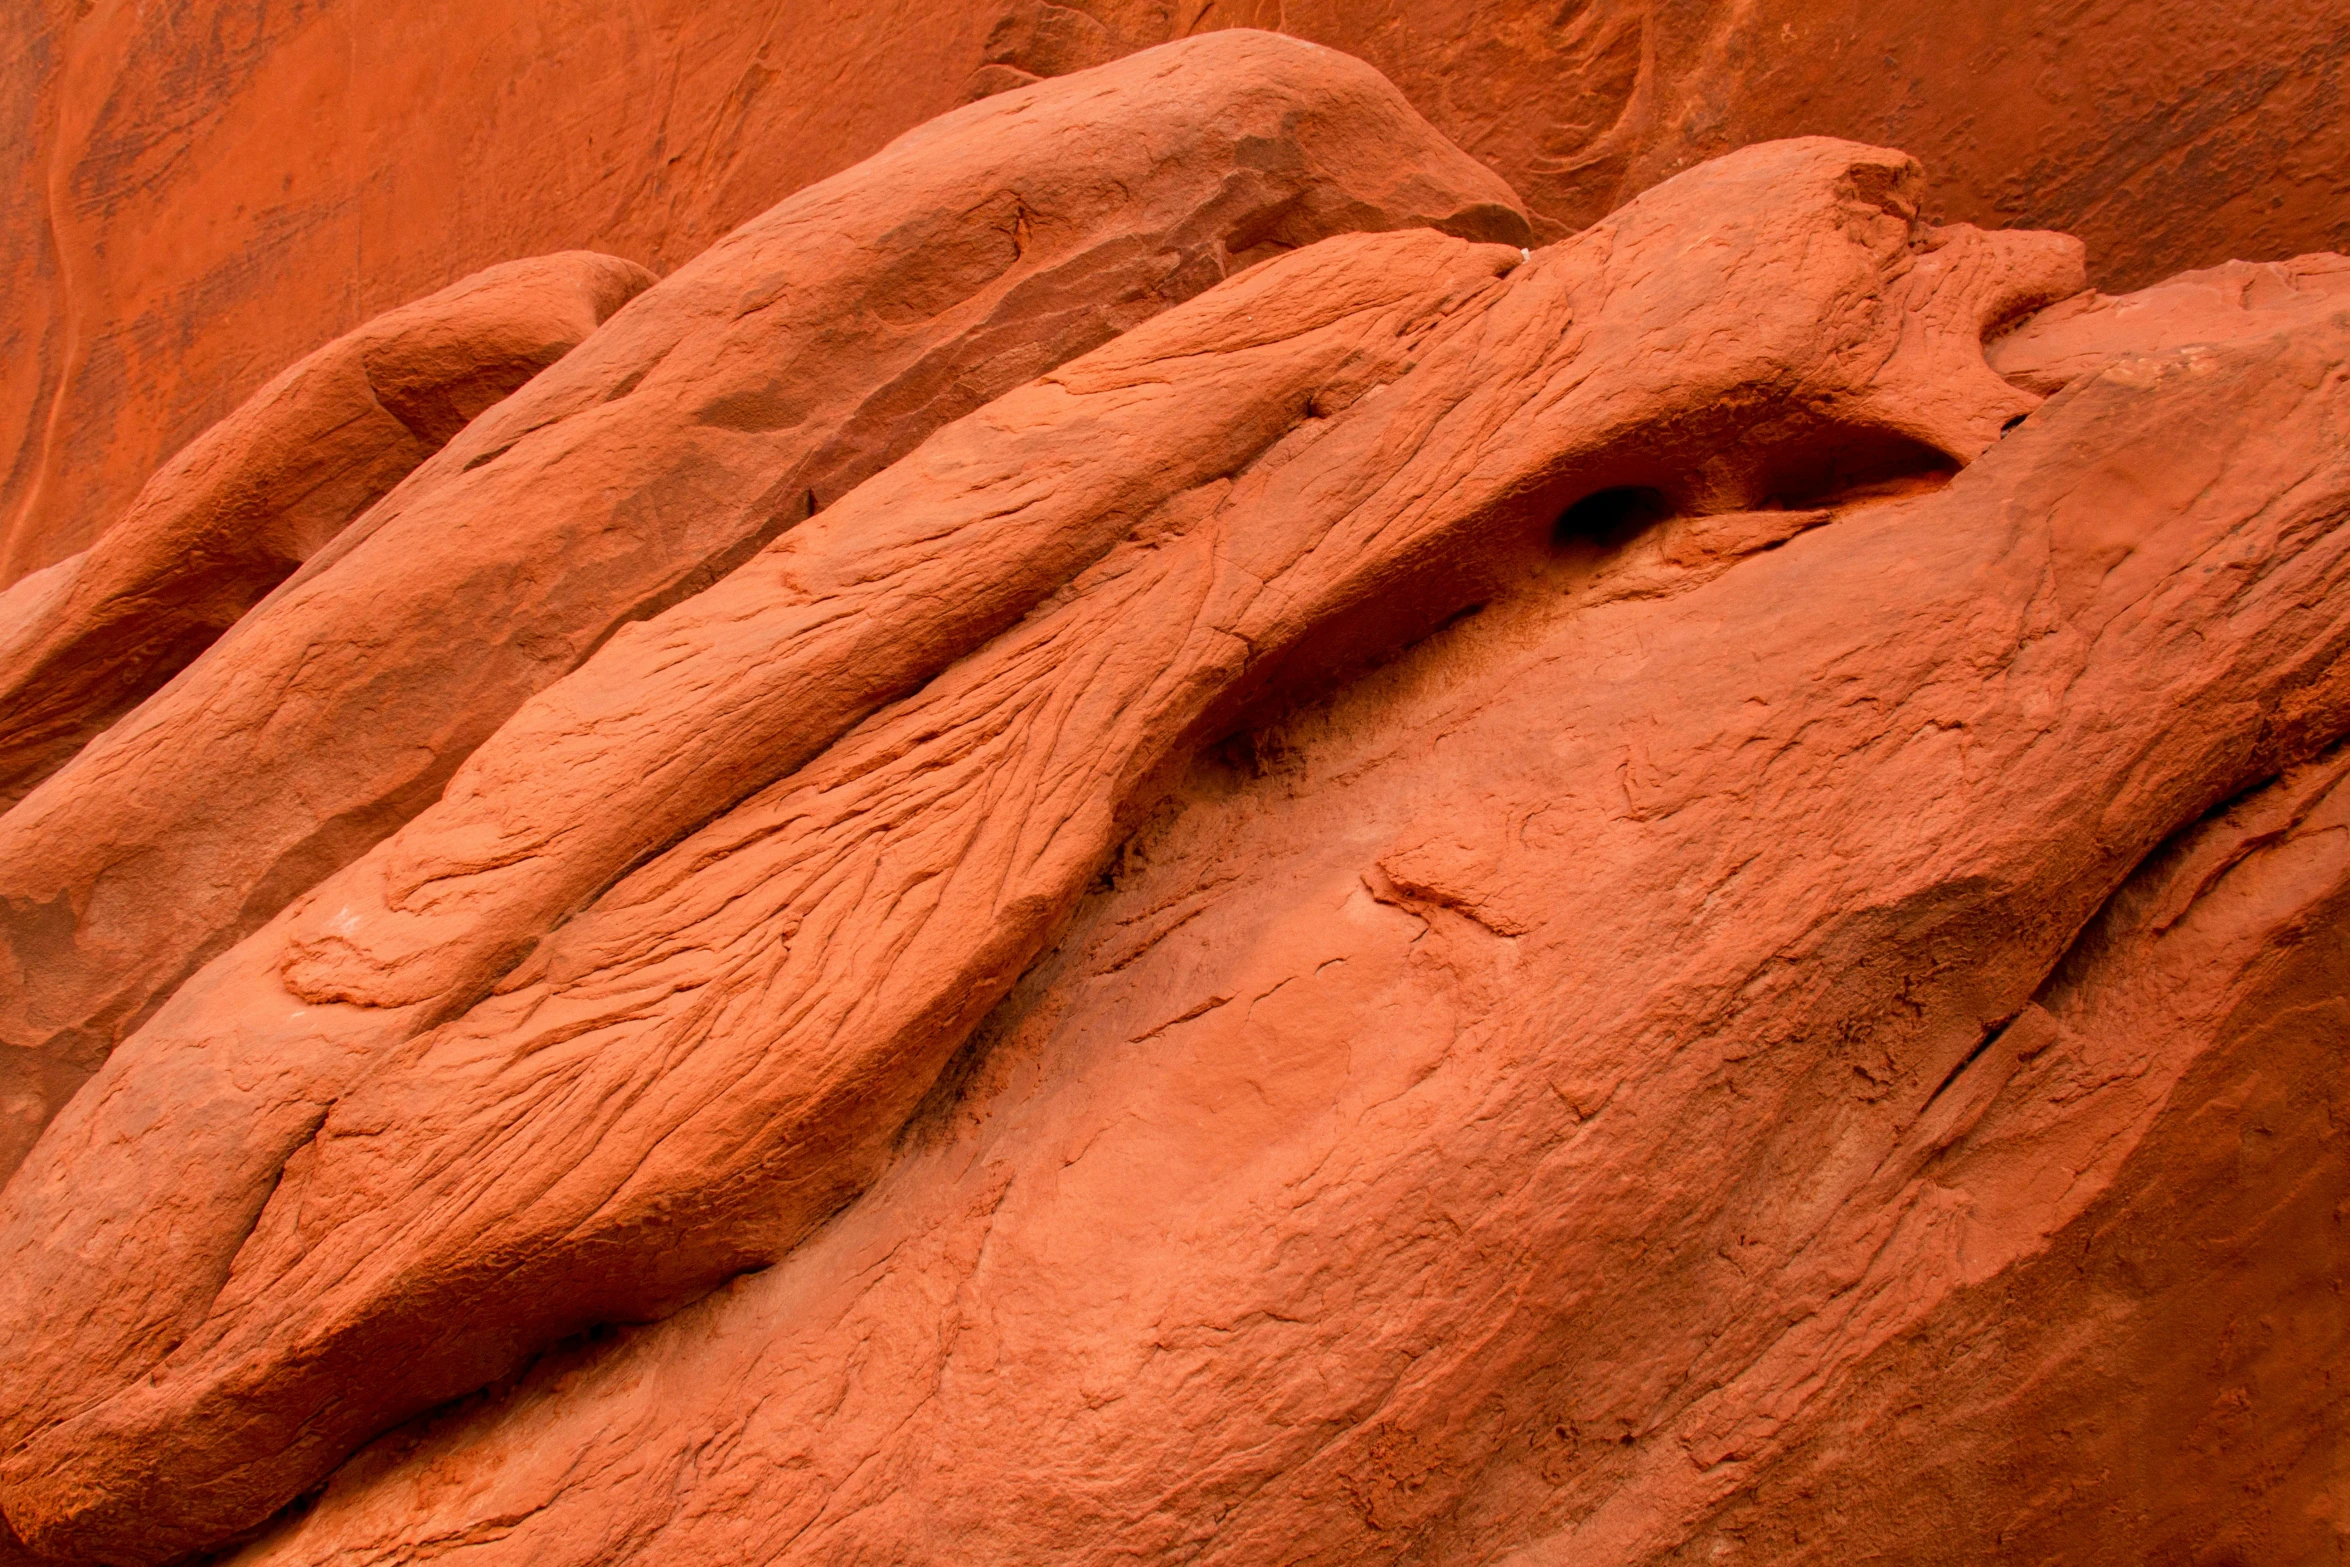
(1127, 841)
(744, 392)
(228, 519)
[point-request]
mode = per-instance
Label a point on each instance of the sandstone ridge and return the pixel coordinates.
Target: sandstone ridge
(1127, 838)
(230, 518)
(202, 196)
(771, 375)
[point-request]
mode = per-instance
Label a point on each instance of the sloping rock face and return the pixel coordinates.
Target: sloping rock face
(807, 963)
(196, 196)
(748, 389)
(1499, 1114)
(1125, 840)
(228, 519)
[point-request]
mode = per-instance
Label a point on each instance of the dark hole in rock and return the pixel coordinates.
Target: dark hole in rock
(1610, 517)
(1861, 465)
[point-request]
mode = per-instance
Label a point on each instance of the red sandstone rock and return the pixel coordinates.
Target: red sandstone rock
(751, 387)
(2163, 1160)
(198, 196)
(86, 640)
(1809, 1030)
(1520, 1118)
(702, 705)
(805, 966)
(2164, 135)
(194, 196)
(2067, 341)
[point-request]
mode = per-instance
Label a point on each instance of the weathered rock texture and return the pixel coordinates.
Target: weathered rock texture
(86, 640)
(745, 391)
(198, 195)
(1399, 412)
(1505, 1115)
(2061, 344)
(1124, 841)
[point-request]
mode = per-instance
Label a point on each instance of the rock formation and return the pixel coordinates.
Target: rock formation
(749, 388)
(205, 194)
(839, 935)
(1512, 1123)
(1125, 839)
(228, 519)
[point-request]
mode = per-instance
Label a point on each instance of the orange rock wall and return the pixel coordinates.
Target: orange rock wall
(196, 195)
(1495, 1116)
(1155, 830)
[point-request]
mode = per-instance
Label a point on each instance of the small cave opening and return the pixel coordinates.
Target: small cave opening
(1610, 518)
(1860, 465)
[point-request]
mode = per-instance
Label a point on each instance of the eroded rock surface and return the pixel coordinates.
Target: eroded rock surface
(225, 521)
(2059, 345)
(1398, 413)
(1160, 858)
(746, 391)
(1503, 1115)
(809, 962)
(2155, 1147)
(190, 188)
